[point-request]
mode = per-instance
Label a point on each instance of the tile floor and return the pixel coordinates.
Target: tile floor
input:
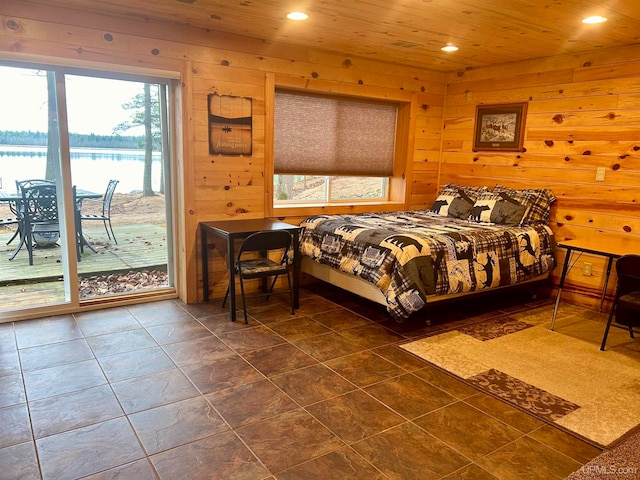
(173, 391)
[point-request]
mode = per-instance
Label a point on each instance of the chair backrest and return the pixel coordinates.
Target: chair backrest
(39, 203)
(108, 196)
(20, 184)
(267, 240)
(628, 270)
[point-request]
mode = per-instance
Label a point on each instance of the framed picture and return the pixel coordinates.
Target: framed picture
(230, 125)
(500, 127)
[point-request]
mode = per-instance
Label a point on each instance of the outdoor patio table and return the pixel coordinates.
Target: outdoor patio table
(14, 198)
(7, 197)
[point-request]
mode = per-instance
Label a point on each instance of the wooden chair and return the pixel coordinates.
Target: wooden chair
(105, 216)
(247, 266)
(626, 301)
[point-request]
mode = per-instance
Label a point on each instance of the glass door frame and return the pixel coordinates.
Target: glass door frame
(72, 301)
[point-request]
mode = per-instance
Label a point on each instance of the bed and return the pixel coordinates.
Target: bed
(471, 240)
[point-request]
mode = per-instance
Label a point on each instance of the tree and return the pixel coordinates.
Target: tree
(53, 138)
(147, 189)
(145, 109)
(285, 187)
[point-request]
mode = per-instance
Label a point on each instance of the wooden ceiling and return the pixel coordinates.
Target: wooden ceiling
(408, 32)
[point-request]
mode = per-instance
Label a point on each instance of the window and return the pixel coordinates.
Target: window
(332, 149)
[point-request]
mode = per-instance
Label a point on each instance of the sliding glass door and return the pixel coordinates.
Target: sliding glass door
(104, 143)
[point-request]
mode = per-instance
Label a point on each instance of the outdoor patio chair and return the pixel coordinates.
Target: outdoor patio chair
(247, 266)
(16, 209)
(626, 301)
(106, 210)
(80, 240)
(38, 212)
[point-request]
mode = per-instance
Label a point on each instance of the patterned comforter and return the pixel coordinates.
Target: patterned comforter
(411, 255)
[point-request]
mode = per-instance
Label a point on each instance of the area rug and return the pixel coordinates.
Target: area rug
(558, 376)
(619, 463)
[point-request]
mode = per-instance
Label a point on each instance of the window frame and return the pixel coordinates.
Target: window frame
(72, 302)
(397, 183)
(328, 189)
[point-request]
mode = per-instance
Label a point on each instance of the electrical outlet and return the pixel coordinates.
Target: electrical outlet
(586, 269)
(600, 172)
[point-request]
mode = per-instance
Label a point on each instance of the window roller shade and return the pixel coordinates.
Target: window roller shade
(316, 135)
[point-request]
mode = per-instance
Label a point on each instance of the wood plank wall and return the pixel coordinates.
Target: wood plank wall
(583, 113)
(222, 187)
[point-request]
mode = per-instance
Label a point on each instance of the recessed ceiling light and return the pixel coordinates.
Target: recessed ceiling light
(594, 19)
(449, 48)
(297, 16)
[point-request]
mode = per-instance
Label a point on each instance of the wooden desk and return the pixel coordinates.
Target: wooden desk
(608, 247)
(232, 230)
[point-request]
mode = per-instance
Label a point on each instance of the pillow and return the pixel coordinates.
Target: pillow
(492, 207)
(456, 200)
(538, 202)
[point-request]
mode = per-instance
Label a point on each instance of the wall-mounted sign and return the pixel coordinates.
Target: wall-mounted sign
(230, 123)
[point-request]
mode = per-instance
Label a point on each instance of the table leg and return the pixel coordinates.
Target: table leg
(23, 237)
(232, 279)
(84, 241)
(606, 281)
(565, 267)
(205, 264)
(296, 269)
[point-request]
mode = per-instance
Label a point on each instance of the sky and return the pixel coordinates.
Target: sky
(94, 104)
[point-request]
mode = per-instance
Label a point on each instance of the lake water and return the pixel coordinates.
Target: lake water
(91, 169)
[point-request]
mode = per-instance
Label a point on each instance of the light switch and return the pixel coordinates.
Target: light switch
(600, 172)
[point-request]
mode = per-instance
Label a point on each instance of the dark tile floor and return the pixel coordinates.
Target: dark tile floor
(173, 391)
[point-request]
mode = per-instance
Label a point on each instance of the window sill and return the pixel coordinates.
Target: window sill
(306, 209)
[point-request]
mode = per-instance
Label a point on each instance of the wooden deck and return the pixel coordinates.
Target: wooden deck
(140, 247)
